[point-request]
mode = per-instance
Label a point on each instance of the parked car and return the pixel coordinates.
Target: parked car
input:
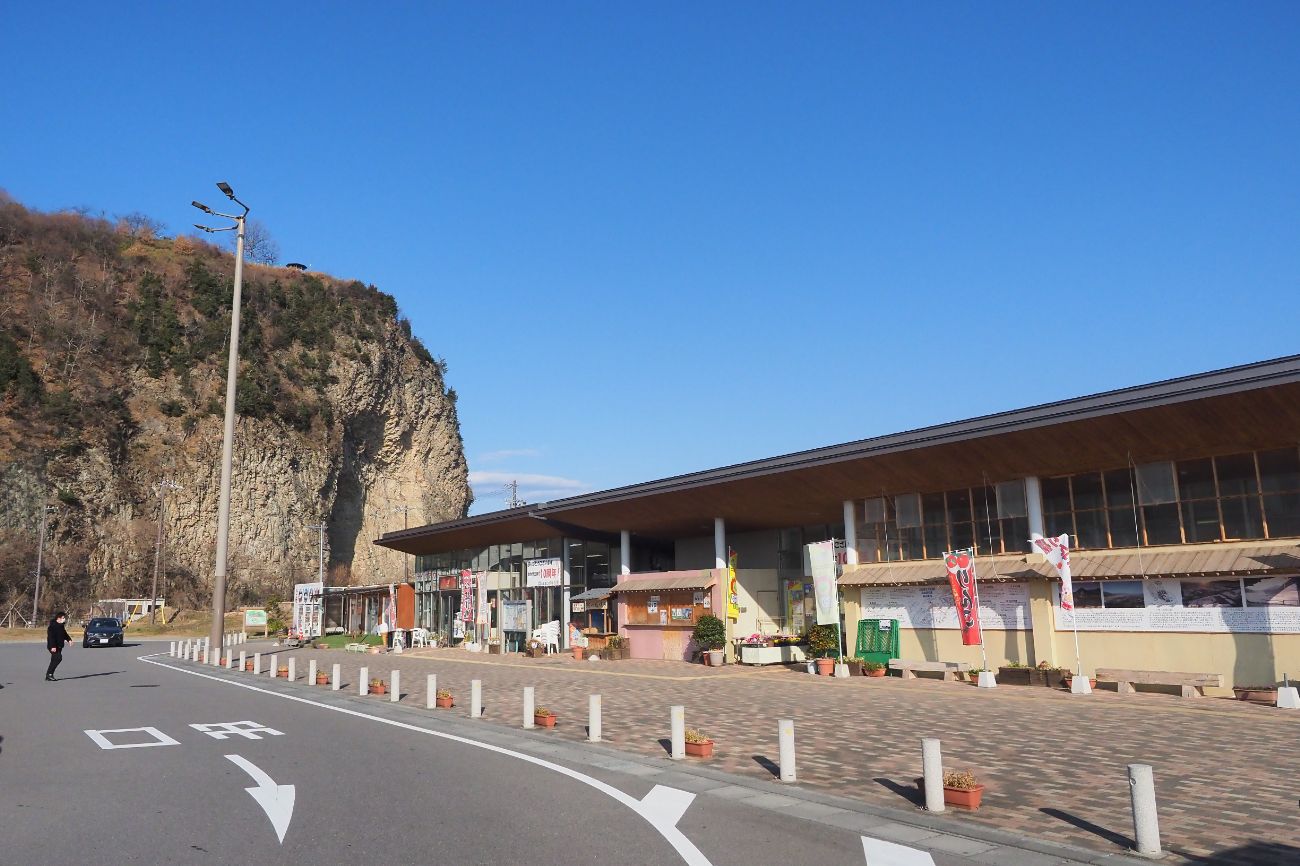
(103, 631)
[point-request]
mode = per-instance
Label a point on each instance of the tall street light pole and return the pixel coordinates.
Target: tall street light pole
(40, 554)
(228, 440)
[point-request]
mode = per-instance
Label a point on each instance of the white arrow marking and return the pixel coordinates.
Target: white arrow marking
(276, 800)
(881, 853)
(667, 804)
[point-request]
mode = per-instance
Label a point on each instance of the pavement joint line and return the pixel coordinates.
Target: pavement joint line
(502, 737)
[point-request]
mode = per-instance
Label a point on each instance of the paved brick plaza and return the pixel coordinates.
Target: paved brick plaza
(1054, 763)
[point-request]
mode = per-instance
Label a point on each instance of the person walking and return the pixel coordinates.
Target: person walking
(55, 638)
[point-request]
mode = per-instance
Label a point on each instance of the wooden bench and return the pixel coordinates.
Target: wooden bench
(355, 648)
(909, 667)
(1192, 685)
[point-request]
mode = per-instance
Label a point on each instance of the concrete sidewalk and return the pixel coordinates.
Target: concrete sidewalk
(1054, 763)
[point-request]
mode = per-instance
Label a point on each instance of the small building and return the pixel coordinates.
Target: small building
(1181, 499)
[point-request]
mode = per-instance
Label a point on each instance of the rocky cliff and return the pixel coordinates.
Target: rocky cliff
(112, 381)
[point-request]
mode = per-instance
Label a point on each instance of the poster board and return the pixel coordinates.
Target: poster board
(1169, 607)
(1003, 606)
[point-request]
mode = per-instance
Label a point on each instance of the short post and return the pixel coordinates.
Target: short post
(171, 650)
(431, 691)
(242, 659)
(593, 719)
(1142, 793)
(257, 664)
(475, 699)
(336, 682)
(214, 658)
(293, 669)
(677, 717)
(395, 687)
(364, 688)
(528, 706)
(272, 663)
(311, 672)
(230, 660)
(1288, 698)
(932, 769)
(785, 748)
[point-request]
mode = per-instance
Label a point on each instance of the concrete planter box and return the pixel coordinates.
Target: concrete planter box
(772, 655)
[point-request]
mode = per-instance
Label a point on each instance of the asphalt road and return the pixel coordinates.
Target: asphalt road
(107, 765)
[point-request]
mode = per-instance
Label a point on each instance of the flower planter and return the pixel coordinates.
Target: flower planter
(494, 649)
(248, 665)
(614, 654)
(379, 689)
(537, 653)
(1256, 695)
(963, 798)
(577, 653)
(283, 671)
(700, 750)
(322, 680)
(444, 703)
(717, 658)
(1021, 677)
(825, 667)
(545, 721)
(877, 673)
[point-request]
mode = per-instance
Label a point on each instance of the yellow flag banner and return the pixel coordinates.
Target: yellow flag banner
(733, 599)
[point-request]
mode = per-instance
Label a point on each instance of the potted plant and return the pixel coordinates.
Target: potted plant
(874, 669)
(322, 646)
(282, 671)
(961, 788)
(1256, 694)
(824, 644)
(615, 647)
(544, 718)
(577, 653)
(698, 745)
(711, 635)
(536, 649)
(248, 664)
(322, 678)
(443, 699)
(378, 687)
(494, 646)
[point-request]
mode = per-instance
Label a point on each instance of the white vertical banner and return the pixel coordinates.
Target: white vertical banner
(1057, 552)
(822, 565)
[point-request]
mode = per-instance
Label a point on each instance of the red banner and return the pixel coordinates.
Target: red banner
(961, 575)
(467, 595)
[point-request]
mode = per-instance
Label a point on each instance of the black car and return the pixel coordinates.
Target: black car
(103, 631)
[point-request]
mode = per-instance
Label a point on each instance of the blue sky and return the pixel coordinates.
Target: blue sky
(656, 238)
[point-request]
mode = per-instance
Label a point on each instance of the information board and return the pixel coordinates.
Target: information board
(1165, 611)
(1003, 606)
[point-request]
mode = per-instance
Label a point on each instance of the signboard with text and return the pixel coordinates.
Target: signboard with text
(544, 572)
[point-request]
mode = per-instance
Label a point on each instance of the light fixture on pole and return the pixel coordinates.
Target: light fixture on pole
(228, 439)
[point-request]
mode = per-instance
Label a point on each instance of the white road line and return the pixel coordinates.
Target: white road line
(651, 812)
(276, 800)
(881, 853)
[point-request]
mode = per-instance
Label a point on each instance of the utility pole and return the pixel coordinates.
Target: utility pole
(514, 501)
(161, 488)
(405, 559)
(40, 553)
(320, 527)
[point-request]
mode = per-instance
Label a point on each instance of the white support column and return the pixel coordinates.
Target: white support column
(214, 657)
(431, 692)
(243, 659)
(293, 669)
(475, 699)
(395, 687)
(528, 706)
(171, 651)
(932, 771)
(850, 533)
(230, 660)
(336, 680)
(677, 731)
(311, 672)
(624, 552)
(785, 748)
(257, 664)
(1033, 508)
(593, 718)
(720, 544)
(363, 687)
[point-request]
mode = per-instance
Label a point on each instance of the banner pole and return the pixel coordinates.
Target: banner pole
(975, 584)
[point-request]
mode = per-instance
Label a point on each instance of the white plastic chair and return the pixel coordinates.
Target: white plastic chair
(549, 635)
(419, 638)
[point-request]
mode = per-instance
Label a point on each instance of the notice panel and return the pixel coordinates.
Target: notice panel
(1165, 607)
(1003, 606)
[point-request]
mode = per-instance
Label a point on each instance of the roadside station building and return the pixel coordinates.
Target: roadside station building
(1181, 500)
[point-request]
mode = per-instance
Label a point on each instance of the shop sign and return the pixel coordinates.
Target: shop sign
(447, 582)
(543, 572)
(579, 606)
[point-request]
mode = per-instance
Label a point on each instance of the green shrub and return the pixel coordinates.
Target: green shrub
(710, 632)
(824, 641)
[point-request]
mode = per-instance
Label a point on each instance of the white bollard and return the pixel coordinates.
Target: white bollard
(171, 650)
(395, 688)
(476, 699)
(431, 691)
(593, 719)
(214, 659)
(1142, 794)
(987, 680)
(364, 687)
(677, 726)
(528, 706)
(272, 663)
(257, 664)
(230, 661)
(293, 669)
(1080, 685)
(336, 681)
(1288, 698)
(785, 748)
(932, 769)
(243, 659)
(311, 672)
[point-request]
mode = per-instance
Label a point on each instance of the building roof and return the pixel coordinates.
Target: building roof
(1193, 560)
(1249, 407)
(669, 580)
(593, 594)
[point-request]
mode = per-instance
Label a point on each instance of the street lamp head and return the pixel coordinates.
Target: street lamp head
(201, 206)
(225, 188)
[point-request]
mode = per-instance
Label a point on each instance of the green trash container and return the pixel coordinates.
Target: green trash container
(877, 640)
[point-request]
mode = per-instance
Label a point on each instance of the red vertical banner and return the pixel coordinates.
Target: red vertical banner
(467, 595)
(961, 576)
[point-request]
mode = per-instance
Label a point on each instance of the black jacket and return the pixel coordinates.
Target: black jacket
(56, 635)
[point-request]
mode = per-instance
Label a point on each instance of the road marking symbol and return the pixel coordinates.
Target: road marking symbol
(276, 800)
(667, 804)
(881, 853)
(159, 738)
(247, 730)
